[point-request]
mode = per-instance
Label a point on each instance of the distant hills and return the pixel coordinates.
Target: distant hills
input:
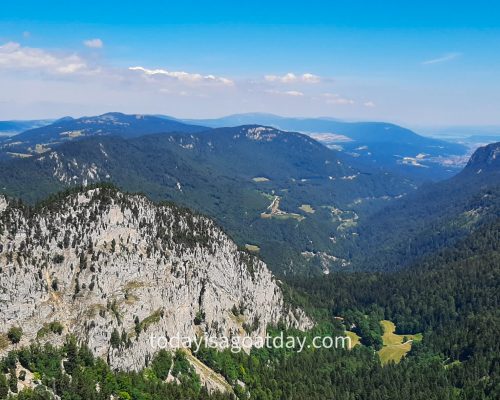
(380, 144)
(40, 139)
(8, 128)
(374, 144)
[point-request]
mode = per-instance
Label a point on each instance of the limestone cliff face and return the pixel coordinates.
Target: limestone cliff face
(99, 261)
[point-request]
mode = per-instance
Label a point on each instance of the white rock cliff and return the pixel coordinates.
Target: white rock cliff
(99, 261)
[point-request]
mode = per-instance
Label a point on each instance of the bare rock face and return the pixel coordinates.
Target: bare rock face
(3, 203)
(99, 261)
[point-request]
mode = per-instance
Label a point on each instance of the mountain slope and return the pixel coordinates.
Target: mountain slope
(433, 217)
(13, 127)
(283, 192)
(99, 261)
(41, 140)
(451, 296)
(485, 161)
(379, 144)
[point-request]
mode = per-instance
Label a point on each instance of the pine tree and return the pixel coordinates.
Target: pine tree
(115, 339)
(13, 380)
(4, 387)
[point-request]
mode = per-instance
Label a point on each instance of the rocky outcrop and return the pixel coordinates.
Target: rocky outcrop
(485, 159)
(115, 269)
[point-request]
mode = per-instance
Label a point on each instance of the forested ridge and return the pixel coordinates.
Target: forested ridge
(433, 217)
(230, 174)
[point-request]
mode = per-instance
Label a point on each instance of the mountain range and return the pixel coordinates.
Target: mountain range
(9, 128)
(298, 204)
(378, 144)
(39, 139)
(374, 144)
(282, 194)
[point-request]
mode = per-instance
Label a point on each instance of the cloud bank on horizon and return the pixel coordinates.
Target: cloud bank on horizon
(59, 72)
(418, 65)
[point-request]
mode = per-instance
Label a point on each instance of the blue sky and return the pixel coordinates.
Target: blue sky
(419, 63)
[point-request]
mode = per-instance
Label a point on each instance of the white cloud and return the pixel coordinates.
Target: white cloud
(184, 76)
(26, 34)
(57, 82)
(17, 58)
(293, 93)
(94, 43)
(333, 98)
(369, 104)
(292, 78)
(310, 78)
(14, 56)
(442, 59)
(287, 78)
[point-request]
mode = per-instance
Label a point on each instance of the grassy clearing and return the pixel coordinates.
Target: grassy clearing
(273, 211)
(298, 217)
(93, 309)
(252, 248)
(4, 341)
(267, 196)
(389, 337)
(394, 353)
(394, 349)
(283, 216)
(453, 364)
(131, 298)
(54, 327)
(152, 319)
(131, 285)
(347, 224)
(20, 155)
(307, 208)
(39, 149)
(209, 375)
(355, 339)
(260, 179)
(72, 134)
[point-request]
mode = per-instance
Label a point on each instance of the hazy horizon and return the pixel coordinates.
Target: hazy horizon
(452, 131)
